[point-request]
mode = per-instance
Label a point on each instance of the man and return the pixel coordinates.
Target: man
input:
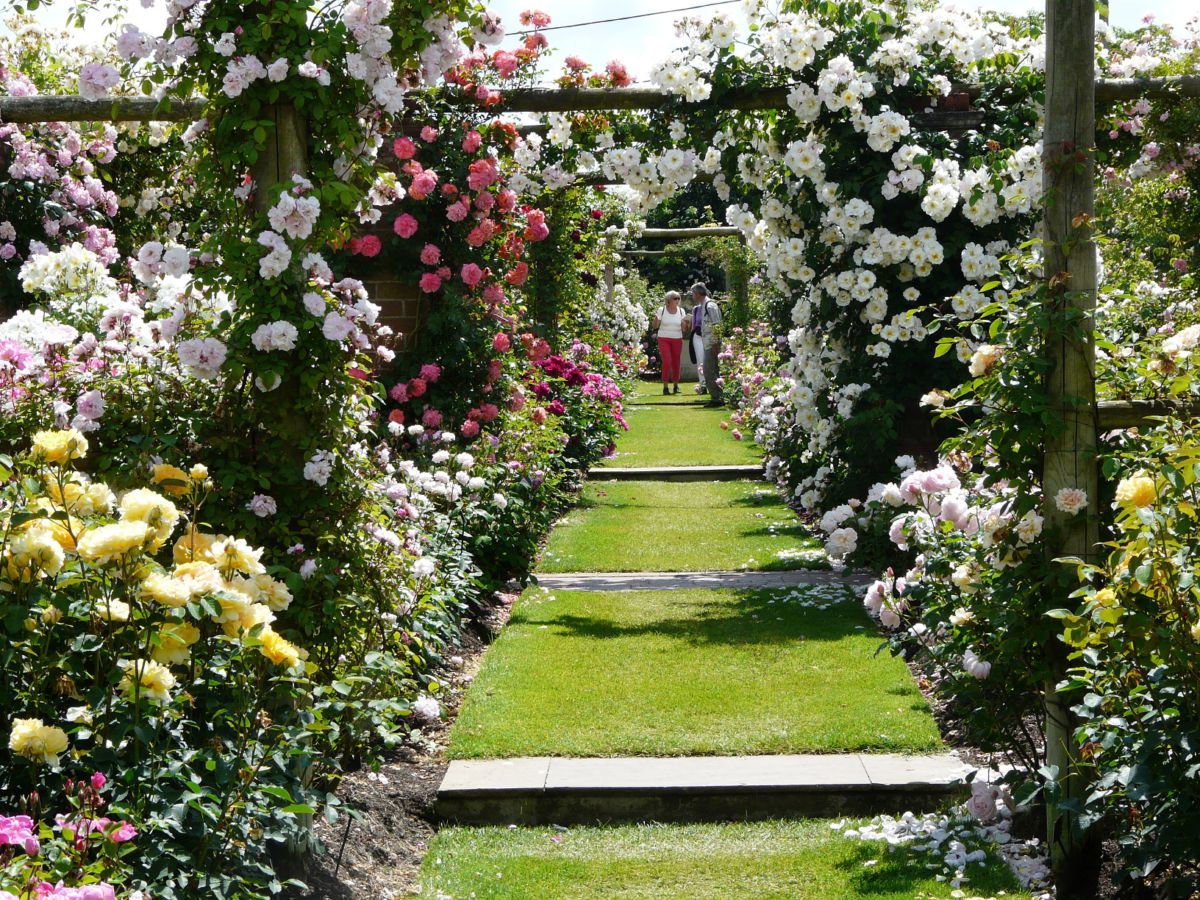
(710, 317)
(696, 346)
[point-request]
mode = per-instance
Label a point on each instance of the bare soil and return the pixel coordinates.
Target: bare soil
(377, 853)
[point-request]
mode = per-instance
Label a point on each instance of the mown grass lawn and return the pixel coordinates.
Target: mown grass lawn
(748, 861)
(686, 672)
(659, 526)
(678, 431)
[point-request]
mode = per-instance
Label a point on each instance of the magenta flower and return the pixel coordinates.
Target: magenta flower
(405, 226)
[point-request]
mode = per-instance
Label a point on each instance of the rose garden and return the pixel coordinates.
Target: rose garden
(347, 548)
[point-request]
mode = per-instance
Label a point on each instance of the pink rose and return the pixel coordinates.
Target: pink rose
(494, 294)
(417, 387)
(431, 255)
(539, 415)
(404, 148)
(501, 343)
(489, 412)
(431, 372)
(405, 226)
(471, 274)
(456, 212)
(430, 283)
(431, 418)
(399, 392)
(123, 834)
(982, 804)
(99, 780)
(469, 429)
(369, 246)
(429, 134)
(472, 141)
(423, 185)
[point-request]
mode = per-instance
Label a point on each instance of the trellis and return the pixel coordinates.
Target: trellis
(1072, 92)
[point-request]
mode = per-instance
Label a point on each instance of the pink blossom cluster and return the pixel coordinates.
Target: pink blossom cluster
(62, 162)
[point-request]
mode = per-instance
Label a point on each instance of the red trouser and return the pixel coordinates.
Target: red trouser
(671, 350)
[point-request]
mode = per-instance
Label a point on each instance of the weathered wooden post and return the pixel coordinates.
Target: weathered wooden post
(286, 152)
(1070, 455)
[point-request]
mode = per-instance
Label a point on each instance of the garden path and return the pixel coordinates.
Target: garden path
(686, 657)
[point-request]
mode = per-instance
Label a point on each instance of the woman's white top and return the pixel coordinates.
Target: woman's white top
(670, 324)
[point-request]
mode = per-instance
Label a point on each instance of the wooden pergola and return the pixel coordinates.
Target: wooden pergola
(1072, 92)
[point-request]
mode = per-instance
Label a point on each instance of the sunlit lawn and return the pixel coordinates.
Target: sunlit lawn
(685, 672)
(656, 526)
(748, 861)
(678, 431)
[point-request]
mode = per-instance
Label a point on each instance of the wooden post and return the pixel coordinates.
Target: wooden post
(1070, 455)
(286, 153)
(610, 281)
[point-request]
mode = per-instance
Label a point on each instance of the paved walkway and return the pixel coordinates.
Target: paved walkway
(553, 790)
(676, 473)
(673, 581)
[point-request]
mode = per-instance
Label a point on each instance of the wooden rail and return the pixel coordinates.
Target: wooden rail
(68, 108)
(1112, 415)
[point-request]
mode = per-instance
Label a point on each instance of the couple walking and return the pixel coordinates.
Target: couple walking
(673, 322)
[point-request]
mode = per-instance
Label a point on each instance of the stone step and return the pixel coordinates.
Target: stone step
(561, 791)
(675, 473)
(671, 581)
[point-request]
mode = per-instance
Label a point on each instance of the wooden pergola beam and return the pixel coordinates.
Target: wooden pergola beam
(1109, 89)
(1112, 415)
(48, 108)
(67, 108)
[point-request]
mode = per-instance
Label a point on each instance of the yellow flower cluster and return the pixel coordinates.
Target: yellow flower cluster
(225, 568)
(37, 741)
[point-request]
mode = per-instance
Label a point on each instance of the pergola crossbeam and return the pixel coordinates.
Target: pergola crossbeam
(67, 108)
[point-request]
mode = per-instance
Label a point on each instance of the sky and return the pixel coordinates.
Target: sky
(640, 43)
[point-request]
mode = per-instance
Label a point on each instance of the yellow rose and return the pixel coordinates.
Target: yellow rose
(113, 610)
(235, 555)
(59, 446)
(52, 615)
(80, 497)
(199, 472)
(1105, 597)
(152, 680)
(167, 590)
(34, 740)
(237, 617)
(1136, 491)
(34, 553)
(277, 649)
(200, 577)
(177, 478)
(173, 642)
(194, 546)
(108, 542)
(273, 593)
(143, 505)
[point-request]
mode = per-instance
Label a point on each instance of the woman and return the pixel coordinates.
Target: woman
(671, 323)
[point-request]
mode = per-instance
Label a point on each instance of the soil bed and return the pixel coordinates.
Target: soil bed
(378, 854)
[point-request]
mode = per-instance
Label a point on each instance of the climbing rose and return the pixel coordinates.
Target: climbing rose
(501, 343)
(430, 283)
(405, 226)
(471, 274)
(431, 255)
(404, 148)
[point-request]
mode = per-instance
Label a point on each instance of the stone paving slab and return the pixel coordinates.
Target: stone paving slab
(668, 581)
(675, 473)
(630, 789)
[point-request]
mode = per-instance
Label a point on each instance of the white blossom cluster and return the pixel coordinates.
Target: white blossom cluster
(618, 317)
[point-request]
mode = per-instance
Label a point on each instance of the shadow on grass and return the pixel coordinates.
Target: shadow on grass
(904, 874)
(716, 622)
